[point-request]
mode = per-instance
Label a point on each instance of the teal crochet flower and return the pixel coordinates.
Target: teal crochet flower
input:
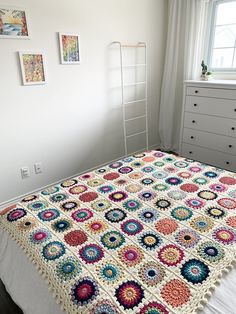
(68, 268)
(159, 164)
(200, 180)
(148, 169)
(53, 250)
(112, 239)
(160, 187)
(195, 271)
(109, 273)
(38, 205)
(50, 190)
(106, 189)
(181, 213)
(61, 225)
(58, 197)
(132, 205)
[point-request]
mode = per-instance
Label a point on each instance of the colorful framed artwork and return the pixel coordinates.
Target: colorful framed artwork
(69, 48)
(13, 23)
(32, 68)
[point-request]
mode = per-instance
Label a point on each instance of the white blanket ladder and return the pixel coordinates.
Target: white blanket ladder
(137, 83)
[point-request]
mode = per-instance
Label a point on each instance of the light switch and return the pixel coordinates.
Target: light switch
(38, 167)
(25, 173)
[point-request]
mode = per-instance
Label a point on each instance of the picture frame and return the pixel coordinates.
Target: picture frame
(32, 68)
(14, 23)
(69, 48)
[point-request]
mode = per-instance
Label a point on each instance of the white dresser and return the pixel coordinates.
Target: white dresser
(208, 130)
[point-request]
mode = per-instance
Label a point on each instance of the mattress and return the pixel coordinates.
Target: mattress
(165, 189)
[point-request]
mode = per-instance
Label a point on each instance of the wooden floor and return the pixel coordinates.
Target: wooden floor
(7, 306)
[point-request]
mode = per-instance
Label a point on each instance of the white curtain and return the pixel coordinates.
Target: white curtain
(187, 26)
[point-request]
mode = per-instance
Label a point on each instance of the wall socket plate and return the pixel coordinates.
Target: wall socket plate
(25, 172)
(38, 167)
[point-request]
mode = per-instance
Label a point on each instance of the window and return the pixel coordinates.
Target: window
(222, 52)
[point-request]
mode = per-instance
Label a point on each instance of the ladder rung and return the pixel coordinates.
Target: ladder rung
(137, 133)
(142, 45)
(132, 84)
(134, 101)
(134, 65)
(139, 117)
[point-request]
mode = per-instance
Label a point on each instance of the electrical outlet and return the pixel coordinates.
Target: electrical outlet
(38, 167)
(25, 172)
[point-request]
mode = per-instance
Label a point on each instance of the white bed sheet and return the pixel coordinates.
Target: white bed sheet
(30, 292)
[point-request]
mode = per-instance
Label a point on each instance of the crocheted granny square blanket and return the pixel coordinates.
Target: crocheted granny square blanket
(151, 233)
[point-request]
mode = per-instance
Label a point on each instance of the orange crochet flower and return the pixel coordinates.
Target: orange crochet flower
(175, 292)
(148, 159)
(27, 224)
(136, 175)
(231, 221)
(133, 188)
(170, 255)
(96, 226)
(166, 226)
(7, 209)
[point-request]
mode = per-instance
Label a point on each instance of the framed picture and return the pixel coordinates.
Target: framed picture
(69, 48)
(13, 23)
(32, 68)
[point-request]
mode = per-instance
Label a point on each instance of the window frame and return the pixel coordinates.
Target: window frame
(212, 36)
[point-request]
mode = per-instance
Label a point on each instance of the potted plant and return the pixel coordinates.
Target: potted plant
(206, 75)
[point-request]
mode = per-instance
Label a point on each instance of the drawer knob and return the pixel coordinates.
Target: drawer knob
(196, 91)
(235, 109)
(195, 105)
(227, 162)
(230, 146)
(193, 121)
(233, 128)
(190, 152)
(192, 137)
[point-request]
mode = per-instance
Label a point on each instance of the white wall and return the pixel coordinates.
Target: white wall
(75, 121)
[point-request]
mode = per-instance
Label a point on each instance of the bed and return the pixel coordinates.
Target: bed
(152, 233)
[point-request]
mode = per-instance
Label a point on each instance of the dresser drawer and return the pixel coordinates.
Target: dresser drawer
(210, 157)
(212, 106)
(211, 124)
(211, 92)
(209, 140)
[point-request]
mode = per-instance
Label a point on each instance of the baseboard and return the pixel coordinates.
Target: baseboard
(154, 146)
(17, 198)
